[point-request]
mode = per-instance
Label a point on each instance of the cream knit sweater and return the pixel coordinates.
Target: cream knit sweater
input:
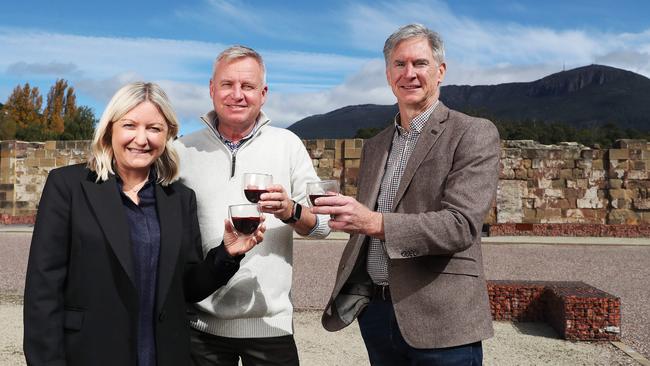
(256, 301)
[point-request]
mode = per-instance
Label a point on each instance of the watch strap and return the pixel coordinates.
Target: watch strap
(295, 214)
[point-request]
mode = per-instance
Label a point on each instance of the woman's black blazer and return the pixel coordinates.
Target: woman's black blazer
(81, 302)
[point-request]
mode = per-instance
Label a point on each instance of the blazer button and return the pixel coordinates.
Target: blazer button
(162, 316)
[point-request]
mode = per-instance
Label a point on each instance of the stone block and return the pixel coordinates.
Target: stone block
(39, 154)
(619, 154)
(642, 203)
(352, 163)
(579, 173)
(641, 165)
(50, 145)
(521, 174)
(598, 164)
(328, 154)
(31, 162)
(615, 183)
(636, 154)
(330, 144)
(630, 144)
(558, 183)
(587, 154)
(509, 200)
(569, 164)
(590, 199)
(549, 215)
(47, 163)
(316, 153)
(350, 190)
(638, 174)
(530, 216)
(315, 162)
(566, 173)
(353, 153)
(621, 193)
(628, 217)
(324, 173)
(621, 203)
(326, 163)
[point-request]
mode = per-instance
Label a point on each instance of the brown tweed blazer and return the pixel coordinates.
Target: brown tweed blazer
(433, 234)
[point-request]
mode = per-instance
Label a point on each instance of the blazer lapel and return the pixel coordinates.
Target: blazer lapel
(107, 205)
(373, 167)
(169, 215)
(428, 137)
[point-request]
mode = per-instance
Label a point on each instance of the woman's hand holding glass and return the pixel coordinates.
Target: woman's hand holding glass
(238, 242)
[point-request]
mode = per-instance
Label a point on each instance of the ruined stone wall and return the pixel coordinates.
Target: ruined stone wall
(23, 170)
(540, 186)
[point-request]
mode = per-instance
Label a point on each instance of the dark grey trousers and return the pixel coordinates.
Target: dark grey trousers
(211, 350)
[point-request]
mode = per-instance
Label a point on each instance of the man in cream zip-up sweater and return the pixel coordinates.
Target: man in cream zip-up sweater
(251, 316)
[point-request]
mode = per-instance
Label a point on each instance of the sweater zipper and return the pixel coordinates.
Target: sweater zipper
(232, 165)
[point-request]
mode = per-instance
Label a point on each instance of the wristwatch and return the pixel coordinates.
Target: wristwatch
(295, 215)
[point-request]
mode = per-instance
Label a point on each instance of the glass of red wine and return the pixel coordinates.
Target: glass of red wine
(245, 218)
(321, 189)
(255, 184)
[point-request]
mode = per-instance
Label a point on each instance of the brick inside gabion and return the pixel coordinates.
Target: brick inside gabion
(576, 310)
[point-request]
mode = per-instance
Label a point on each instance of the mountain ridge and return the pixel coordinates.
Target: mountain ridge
(583, 97)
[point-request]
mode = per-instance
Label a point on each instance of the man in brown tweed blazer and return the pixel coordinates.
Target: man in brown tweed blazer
(412, 271)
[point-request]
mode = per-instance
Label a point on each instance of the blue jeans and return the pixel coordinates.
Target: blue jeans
(386, 346)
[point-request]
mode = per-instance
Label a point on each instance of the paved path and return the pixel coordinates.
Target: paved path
(620, 270)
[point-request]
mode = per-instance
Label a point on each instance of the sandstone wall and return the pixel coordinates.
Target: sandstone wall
(539, 185)
(23, 169)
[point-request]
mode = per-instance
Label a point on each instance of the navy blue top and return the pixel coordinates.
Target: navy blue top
(144, 230)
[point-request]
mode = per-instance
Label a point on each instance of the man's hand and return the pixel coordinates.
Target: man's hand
(276, 202)
(237, 244)
(350, 216)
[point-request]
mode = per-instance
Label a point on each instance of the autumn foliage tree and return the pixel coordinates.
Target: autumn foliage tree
(61, 119)
(24, 106)
(61, 105)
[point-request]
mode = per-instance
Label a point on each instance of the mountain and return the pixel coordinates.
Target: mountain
(584, 97)
(344, 122)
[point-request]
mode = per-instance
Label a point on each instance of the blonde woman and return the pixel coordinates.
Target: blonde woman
(116, 250)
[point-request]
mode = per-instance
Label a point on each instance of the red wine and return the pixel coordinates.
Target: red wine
(313, 197)
(246, 225)
(253, 195)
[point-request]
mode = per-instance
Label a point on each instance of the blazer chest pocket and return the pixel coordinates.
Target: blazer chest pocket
(73, 319)
(453, 265)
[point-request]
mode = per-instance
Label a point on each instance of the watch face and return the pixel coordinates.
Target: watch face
(297, 211)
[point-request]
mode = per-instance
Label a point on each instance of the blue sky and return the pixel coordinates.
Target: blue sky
(320, 55)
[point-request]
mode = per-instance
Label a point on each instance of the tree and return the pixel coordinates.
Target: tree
(80, 126)
(60, 105)
(7, 126)
(24, 106)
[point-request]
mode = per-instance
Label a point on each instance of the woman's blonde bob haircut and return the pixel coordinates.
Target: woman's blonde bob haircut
(128, 97)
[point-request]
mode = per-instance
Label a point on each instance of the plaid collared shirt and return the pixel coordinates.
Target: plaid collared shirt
(401, 149)
(234, 146)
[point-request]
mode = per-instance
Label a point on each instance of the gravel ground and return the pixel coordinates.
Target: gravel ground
(521, 345)
(620, 270)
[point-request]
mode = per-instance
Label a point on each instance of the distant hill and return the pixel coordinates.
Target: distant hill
(584, 97)
(344, 122)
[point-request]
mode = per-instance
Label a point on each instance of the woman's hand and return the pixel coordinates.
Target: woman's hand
(237, 244)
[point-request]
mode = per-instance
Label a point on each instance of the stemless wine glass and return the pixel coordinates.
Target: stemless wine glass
(255, 184)
(321, 189)
(245, 218)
